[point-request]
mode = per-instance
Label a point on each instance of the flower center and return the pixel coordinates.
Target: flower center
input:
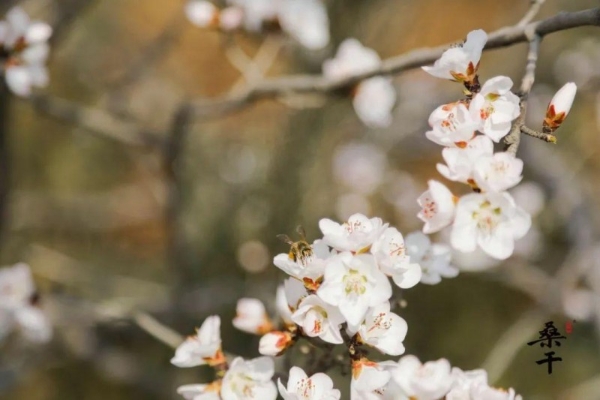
(305, 388)
(487, 217)
(355, 283)
(381, 323)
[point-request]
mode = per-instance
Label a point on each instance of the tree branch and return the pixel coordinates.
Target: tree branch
(97, 121)
(513, 138)
(285, 85)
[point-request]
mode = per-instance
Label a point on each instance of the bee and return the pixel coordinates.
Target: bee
(300, 250)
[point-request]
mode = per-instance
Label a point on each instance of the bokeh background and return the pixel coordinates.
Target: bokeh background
(182, 230)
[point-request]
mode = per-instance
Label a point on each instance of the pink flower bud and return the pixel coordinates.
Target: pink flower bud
(559, 107)
(275, 343)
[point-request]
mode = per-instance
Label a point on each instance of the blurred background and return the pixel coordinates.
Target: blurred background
(150, 210)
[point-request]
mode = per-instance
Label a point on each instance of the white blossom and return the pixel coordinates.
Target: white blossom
(275, 343)
(495, 107)
(17, 305)
(287, 298)
(460, 162)
(302, 387)
(201, 13)
(252, 317)
(202, 348)
(249, 380)
(390, 252)
(429, 381)
(354, 283)
(352, 58)
(452, 125)
(384, 330)
(464, 382)
(200, 391)
(356, 235)
(473, 385)
(460, 63)
(306, 21)
(319, 319)
(257, 12)
(498, 172)
(437, 207)
(368, 380)
(434, 258)
(491, 221)
(373, 98)
(231, 18)
(311, 267)
(559, 106)
(25, 43)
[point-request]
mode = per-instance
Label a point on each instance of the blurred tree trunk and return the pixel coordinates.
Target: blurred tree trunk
(4, 159)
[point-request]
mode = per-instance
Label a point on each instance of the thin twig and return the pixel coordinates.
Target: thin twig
(546, 137)
(286, 85)
(513, 138)
(157, 330)
(535, 7)
(95, 120)
(511, 341)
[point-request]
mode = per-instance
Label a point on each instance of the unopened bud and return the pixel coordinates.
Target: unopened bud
(559, 107)
(275, 343)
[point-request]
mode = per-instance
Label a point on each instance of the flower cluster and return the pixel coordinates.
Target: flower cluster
(24, 51)
(407, 378)
(410, 379)
(489, 218)
(373, 98)
(304, 20)
(19, 305)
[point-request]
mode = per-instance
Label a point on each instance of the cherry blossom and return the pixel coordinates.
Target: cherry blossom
(452, 125)
(18, 306)
(249, 380)
(383, 330)
(495, 107)
(473, 385)
(202, 13)
(368, 380)
(308, 268)
(437, 207)
(306, 21)
(491, 221)
(24, 43)
(252, 317)
(460, 63)
(428, 381)
(354, 283)
(460, 162)
(374, 98)
(275, 343)
(356, 235)
(301, 387)
(434, 258)
(287, 298)
(319, 319)
(202, 348)
(390, 253)
(205, 14)
(498, 172)
(559, 106)
(201, 391)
